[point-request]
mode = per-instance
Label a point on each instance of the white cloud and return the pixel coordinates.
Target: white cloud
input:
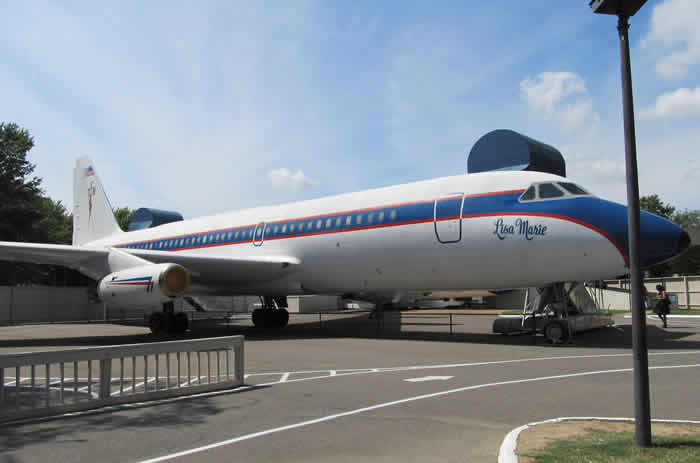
(561, 97)
(684, 102)
(674, 24)
(285, 179)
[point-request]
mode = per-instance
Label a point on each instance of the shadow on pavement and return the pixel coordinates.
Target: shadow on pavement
(184, 411)
(461, 328)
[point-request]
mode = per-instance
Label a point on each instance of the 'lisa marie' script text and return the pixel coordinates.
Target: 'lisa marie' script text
(520, 227)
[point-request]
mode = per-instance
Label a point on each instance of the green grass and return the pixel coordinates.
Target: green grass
(619, 447)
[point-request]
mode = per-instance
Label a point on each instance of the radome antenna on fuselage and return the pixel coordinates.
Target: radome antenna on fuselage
(509, 150)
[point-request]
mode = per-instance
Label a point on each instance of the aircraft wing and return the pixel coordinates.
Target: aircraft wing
(92, 262)
(220, 271)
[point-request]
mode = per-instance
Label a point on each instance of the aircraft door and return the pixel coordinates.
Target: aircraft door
(448, 218)
(259, 234)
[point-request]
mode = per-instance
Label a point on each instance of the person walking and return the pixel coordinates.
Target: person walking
(662, 306)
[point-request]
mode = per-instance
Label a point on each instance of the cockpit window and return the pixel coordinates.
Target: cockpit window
(548, 190)
(528, 195)
(573, 188)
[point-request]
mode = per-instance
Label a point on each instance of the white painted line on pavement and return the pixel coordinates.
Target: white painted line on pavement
(456, 365)
(392, 403)
(506, 454)
(428, 378)
(284, 378)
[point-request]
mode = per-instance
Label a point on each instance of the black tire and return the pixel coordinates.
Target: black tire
(259, 318)
(282, 317)
(156, 322)
(556, 332)
(169, 322)
(181, 322)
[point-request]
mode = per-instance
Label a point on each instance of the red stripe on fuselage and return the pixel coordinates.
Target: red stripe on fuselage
(354, 211)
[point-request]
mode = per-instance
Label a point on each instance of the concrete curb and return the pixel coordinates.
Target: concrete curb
(506, 454)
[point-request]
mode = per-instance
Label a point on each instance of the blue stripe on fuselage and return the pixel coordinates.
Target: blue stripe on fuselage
(599, 214)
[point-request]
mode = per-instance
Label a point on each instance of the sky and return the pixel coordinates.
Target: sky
(203, 107)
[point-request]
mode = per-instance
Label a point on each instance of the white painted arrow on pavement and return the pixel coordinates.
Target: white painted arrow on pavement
(429, 378)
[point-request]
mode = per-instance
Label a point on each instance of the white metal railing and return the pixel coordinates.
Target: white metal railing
(101, 376)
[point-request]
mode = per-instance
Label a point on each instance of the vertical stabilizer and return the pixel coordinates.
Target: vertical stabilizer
(93, 217)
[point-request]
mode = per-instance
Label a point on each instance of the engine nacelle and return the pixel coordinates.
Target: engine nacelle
(144, 286)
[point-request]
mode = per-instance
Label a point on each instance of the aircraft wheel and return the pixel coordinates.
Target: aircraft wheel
(282, 317)
(181, 322)
(169, 322)
(259, 318)
(556, 332)
(156, 322)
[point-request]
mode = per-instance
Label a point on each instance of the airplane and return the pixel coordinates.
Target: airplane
(497, 229)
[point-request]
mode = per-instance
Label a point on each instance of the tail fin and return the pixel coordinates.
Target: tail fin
(93, 217)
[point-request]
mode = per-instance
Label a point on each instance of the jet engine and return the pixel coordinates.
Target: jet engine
(144, 286)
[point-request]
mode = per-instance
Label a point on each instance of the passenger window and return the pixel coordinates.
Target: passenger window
(359, 219)
(229, 235)
(318, 223)
(572, 188)
(548, 190)
(275, 229)
(328, 223)
(348, 220)
(528, 195)
(206, 238)
(258, 233)
(291, 228)
(370, 217)
(338, 221)
(250, 233)
(392, 214)
(381, 217)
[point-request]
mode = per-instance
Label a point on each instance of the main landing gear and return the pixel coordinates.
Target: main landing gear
(273, 313)
(168, 321)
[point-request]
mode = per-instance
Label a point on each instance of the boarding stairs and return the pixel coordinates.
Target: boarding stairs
(558, 311)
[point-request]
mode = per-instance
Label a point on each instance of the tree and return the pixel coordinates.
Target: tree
(688, 263)
(18, 189)
(687, 219)
(54, 225)
(653, 204)
(123, 216)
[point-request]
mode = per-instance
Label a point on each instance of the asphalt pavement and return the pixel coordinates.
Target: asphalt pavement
(337, 391)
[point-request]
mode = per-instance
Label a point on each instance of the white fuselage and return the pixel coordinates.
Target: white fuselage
(488, 240)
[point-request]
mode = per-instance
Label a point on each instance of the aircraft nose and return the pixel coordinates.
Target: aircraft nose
(661, 239)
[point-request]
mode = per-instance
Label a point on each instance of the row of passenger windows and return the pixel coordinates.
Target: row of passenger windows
(552, 190)
(305, 226)
(329, 223)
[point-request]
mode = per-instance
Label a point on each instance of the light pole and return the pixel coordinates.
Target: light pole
(624, 9)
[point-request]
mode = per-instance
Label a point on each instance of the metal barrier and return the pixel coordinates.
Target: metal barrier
(101, 376)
